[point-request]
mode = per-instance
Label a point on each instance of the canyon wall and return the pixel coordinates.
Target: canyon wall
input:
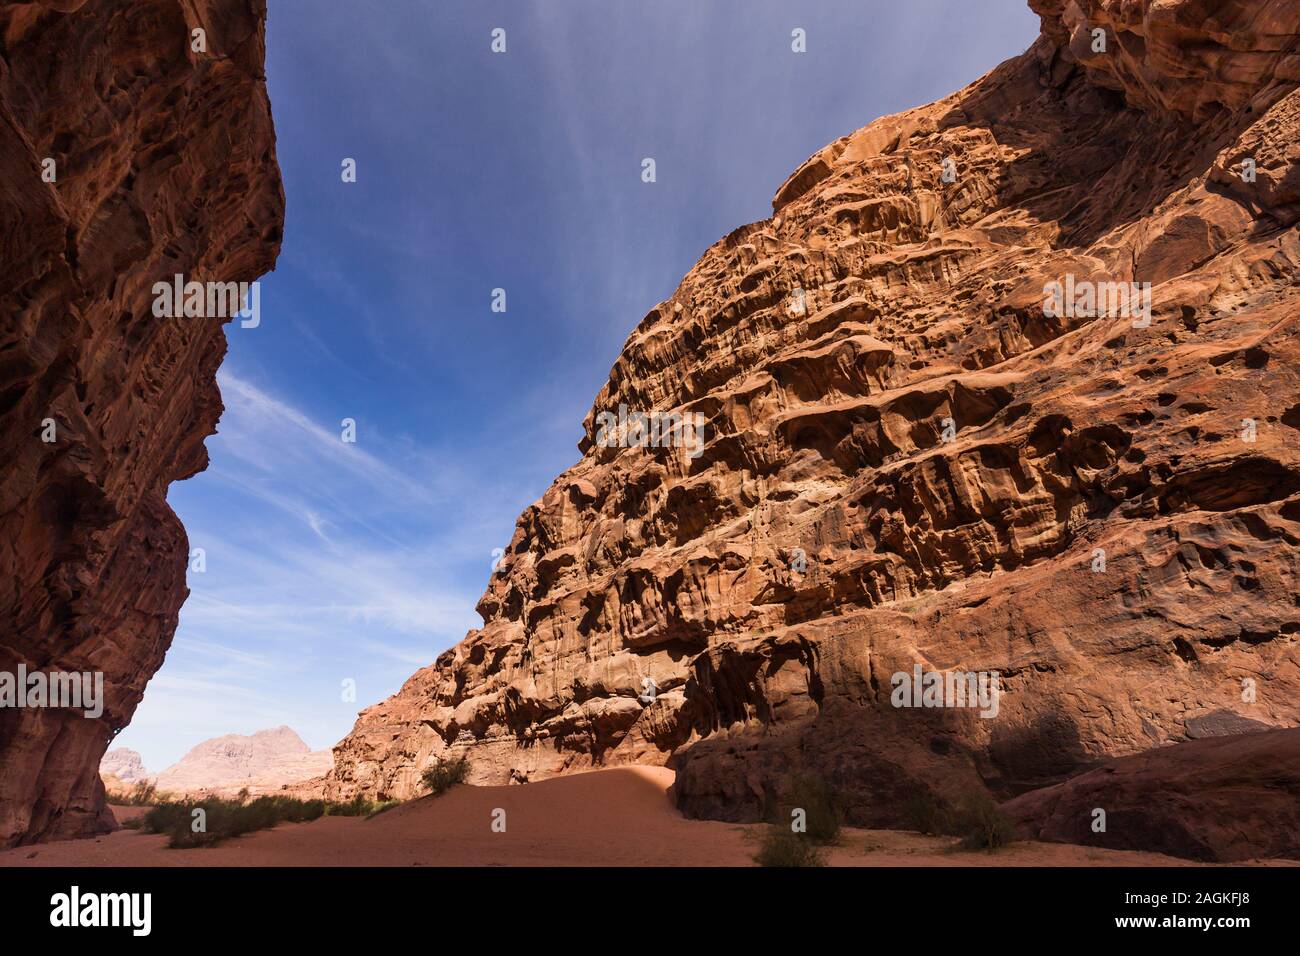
(163, 162)
(912, 458)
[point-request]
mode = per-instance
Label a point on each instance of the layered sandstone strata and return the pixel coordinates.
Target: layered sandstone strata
(163, 162)
(911, 460)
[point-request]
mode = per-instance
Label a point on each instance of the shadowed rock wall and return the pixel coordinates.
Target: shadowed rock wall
(164, 163)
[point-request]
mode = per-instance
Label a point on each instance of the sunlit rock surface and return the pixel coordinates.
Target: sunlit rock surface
(909, 460)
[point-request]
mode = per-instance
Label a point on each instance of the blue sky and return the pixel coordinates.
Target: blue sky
(329, 561)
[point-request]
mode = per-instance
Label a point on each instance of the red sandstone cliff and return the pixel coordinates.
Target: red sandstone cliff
(826, 347)
(164, 163)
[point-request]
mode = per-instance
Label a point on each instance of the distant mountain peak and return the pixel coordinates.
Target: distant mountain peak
(264, 760)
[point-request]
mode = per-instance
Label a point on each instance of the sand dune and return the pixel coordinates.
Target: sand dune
(616, 817)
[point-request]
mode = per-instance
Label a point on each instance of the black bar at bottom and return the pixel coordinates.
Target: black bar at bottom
(939, 904)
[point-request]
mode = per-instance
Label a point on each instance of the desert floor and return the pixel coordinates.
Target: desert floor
(616, 817)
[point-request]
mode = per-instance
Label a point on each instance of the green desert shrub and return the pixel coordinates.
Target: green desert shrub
(926, 815)
(359, 806)
(167, 817)
(976, 819)
(982, 825)
(226, 818)
(445, 773)
(143, 794)
(815, 797)
(383, 806)
(782, 848)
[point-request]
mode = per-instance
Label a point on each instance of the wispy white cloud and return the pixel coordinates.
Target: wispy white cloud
(268, 426)
(324, 562)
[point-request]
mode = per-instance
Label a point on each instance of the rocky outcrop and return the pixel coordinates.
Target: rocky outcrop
(926, 447)
(1195, 57)
(127, 156)
(1223, 799)
(266, 761)
(124, 765)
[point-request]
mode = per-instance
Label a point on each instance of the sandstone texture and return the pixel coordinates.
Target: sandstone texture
(267, 761)
(1224, 799)
(910, 460)
(164, 162)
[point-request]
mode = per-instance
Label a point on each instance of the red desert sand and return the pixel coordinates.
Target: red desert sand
(616, 817)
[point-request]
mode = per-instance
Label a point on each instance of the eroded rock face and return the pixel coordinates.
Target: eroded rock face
(1193, 56)
(164, 163)
(911, 459)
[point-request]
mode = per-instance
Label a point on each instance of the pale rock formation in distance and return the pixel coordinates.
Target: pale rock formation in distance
(125, 765)
(264, 762)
